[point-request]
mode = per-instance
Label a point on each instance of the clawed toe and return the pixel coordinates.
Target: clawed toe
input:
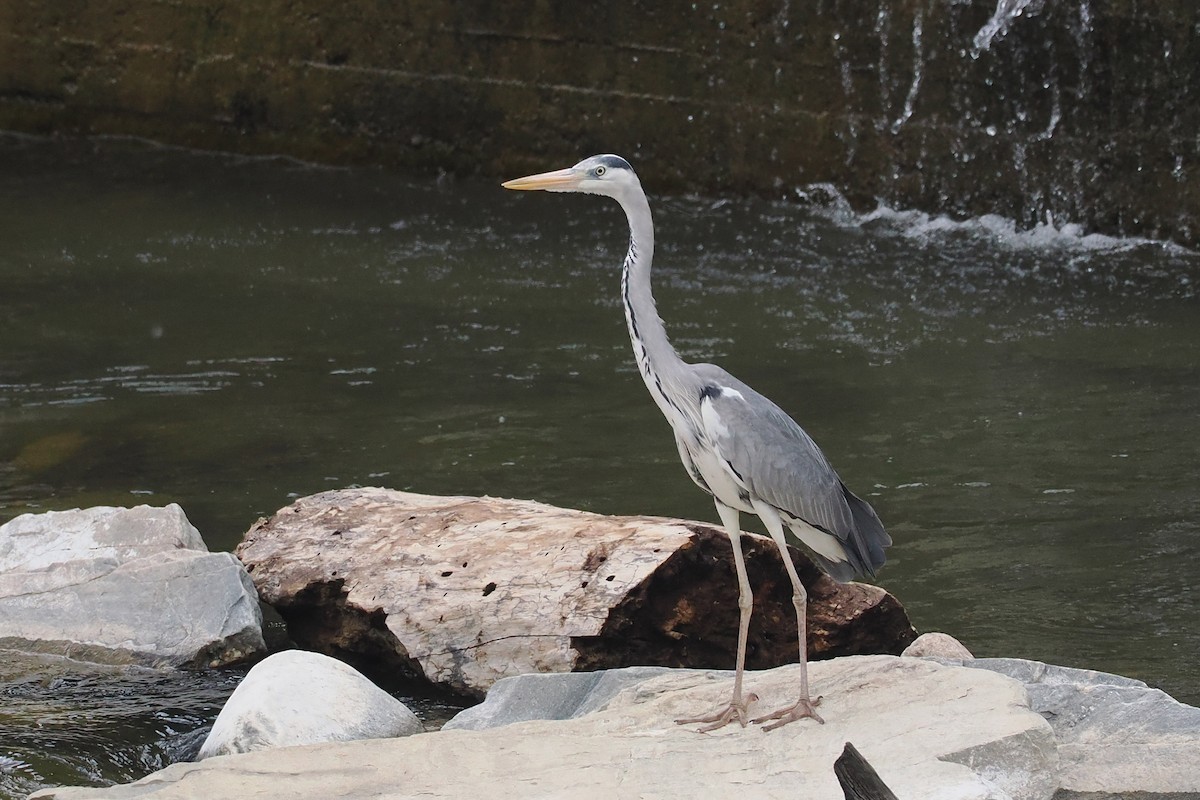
(735, 710)
(801, 709)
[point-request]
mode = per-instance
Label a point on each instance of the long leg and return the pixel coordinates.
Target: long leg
(736, 709)
(805, 706)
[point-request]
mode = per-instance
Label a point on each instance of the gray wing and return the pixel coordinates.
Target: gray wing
(778, 462)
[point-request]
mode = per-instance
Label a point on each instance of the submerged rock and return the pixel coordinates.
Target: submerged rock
(930, 730)
(296, 697)
(124, 585)
(464, 591)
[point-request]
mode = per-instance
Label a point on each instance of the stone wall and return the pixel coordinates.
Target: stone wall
(1074, 111)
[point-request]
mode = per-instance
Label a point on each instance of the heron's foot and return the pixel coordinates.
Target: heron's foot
(804, 707)
(734, 710)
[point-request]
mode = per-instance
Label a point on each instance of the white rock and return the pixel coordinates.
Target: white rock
(931, 731)
(297, 697)
(118, 585)
(941, 645)
(35, 541)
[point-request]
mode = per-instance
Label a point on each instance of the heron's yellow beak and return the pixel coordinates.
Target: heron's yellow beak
(559, 180)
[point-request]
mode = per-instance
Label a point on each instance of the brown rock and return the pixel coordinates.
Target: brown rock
(463, 591)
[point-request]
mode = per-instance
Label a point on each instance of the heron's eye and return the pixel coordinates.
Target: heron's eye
(600, 170)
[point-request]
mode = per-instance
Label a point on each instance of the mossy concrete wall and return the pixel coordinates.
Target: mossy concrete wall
(1081, 110)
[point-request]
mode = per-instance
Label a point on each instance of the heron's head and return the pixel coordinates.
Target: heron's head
(608, 175)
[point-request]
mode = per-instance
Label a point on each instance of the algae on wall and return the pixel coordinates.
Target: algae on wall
(1081, 111)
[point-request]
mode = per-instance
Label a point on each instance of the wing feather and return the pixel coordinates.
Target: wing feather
(779, 463)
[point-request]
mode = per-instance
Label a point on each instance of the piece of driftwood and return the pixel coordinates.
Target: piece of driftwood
(464, 591)
(858, 778)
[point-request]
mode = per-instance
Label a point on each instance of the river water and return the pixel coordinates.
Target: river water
(1022, 408)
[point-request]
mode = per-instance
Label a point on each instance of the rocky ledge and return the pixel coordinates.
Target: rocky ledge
(930, 729)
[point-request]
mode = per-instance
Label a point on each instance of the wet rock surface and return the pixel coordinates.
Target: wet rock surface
(124, 586)
(1042, 112)
(463, 591)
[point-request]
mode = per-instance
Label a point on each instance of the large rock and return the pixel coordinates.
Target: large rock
(464, 591)
(1117, 737)
(124, 585)
(295, 697)
(931, 731)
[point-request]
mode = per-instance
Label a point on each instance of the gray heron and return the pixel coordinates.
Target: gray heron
(736, 444)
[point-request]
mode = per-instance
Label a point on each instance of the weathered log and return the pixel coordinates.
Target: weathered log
(858, 778)
(463, 591)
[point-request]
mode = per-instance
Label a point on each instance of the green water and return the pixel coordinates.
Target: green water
(1022, 409)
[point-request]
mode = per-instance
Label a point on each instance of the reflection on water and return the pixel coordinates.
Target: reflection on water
(1021, 408)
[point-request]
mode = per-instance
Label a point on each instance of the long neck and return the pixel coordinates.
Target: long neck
(661, 367)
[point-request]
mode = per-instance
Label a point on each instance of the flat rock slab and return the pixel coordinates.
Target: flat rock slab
(931, 731)
(124, 586)
(464, 591)
(1117, 738)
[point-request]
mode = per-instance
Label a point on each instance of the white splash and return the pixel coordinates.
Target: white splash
(911, 99)
(1001, 230)
(1005, 14)
(827, 201)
